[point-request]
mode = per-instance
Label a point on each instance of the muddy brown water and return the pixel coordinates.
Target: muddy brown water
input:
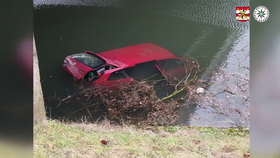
(209, 32)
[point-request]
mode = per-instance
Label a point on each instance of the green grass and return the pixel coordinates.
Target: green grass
(56, 139)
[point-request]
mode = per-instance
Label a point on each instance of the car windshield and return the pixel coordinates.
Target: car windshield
(89, 60)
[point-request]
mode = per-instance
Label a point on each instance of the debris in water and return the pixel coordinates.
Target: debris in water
(200, 90)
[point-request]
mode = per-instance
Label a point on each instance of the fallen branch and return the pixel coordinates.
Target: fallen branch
(178, 91)
(70, 96)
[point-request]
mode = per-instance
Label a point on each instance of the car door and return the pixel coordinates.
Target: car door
(151, 71)
(173, 68)
(120, 78)
(147, 71)
(143, 71)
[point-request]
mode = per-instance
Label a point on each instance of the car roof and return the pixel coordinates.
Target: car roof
(136, 54)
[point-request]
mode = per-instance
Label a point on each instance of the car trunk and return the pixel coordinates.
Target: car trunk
(79, 65)
(75, 68)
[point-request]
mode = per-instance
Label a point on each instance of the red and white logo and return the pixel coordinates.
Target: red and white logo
(243, 14)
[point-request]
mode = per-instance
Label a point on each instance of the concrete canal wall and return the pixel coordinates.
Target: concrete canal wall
(39, 113)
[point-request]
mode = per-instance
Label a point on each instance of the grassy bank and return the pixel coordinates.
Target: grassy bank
(56, 139)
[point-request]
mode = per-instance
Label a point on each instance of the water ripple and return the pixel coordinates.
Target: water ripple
(96, 3)
(215, 12)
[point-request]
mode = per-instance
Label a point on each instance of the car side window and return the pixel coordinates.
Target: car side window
(121, 74)
(146, 70)
(168, 64)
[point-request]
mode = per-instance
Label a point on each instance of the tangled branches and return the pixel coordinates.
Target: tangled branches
(139, 103)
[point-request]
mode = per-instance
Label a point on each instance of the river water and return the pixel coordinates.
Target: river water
(207, 31)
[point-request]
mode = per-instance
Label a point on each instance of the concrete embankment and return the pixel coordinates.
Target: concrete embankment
(39, 113)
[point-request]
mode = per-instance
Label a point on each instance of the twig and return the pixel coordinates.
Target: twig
(43, 80)
(54, 94)
(80, 110)
(225, 91)
(97, 120)
(65, 99)
(176, 92)
(195, 61)
(89, 114)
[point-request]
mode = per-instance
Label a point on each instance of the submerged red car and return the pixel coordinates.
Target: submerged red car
(125, 64)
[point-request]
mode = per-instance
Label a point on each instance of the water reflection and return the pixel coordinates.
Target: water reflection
(229, 73)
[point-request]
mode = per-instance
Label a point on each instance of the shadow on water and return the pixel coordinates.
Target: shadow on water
(63, 30)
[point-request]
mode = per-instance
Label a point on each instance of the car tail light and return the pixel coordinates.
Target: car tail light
(81, 71)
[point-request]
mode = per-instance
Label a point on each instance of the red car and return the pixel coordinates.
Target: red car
(125, 64)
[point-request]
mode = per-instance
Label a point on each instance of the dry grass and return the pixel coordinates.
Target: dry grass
(56, 139)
